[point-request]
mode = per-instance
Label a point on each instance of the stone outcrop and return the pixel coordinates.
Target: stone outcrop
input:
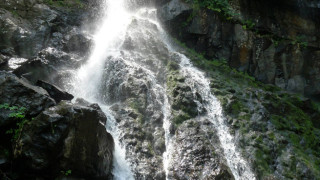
(272, 128)
(56, 93)
(44, 39)
(15, 91)
(196, 153)
(66, 137)
(40, 139)
(277, 42)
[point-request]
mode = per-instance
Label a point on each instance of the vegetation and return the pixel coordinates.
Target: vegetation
(67, 172)
(138, 107)
(226, 12)
(288, 126)
(221, 6)
(17, 113)
(65, 3)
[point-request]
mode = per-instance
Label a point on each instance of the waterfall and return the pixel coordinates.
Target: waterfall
(200, 84)
(88, 78)
(125, 75)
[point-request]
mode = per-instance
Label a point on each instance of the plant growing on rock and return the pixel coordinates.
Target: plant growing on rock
(220, 6)
(66, 172)
(17, 113)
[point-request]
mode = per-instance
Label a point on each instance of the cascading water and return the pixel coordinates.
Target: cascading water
(200, 84)
(125, 75)
(87, 79)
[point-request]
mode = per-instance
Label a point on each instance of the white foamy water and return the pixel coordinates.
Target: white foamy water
(107, 42)
(166, 126)
(121, 167)
(88, 80)
(200, 84)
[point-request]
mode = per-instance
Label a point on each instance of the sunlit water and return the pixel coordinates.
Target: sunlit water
(200, 84)
(88, 79)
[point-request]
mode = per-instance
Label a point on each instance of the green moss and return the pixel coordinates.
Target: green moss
(180, 118)
(236, 107)
(66, 3)
(138, 108)
(14, 13)
(222, 7)
(295, 120)
(262, 165)
(150, 148)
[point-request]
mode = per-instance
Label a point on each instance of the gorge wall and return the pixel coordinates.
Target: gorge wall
(277, 42)
(169, 104)
(44, 135)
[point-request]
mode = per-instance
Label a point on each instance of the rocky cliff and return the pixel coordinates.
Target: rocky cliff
(277, 42)
(43, 134)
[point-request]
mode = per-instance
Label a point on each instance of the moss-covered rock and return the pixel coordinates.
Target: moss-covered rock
(277, 131)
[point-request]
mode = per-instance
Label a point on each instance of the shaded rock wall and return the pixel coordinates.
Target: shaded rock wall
(269, 124)
(40, 139)
(277, 42)
(46, 38)
(66, 137)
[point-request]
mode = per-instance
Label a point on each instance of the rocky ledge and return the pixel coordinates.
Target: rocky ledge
(277, 42)
(42, 139)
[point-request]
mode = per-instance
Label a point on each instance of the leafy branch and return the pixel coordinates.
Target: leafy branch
(19, 114)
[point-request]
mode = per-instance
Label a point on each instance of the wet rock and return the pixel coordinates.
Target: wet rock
(65, 137)
(78, 43)
(17, 92)
(50, 65)
(26, 37)
(173, 9)
(196, 153)
(296, 84)
(273, 44)
(56, 93)
(3, 62)
(134, 81)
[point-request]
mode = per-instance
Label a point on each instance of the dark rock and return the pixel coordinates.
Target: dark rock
(173, 9)
(3, 61)
(275, 45)
(56, 93)
(50, 65)
(65, 137)
(16, 92)
(196, 154)
(78, 43)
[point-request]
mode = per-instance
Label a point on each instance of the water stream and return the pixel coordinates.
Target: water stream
(116, 60)
(200, 84)
(88, 78)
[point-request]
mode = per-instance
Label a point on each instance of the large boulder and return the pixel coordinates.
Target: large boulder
(17, 92)
(51, 65)
(66, 138)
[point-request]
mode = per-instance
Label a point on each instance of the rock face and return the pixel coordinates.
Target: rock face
(275, 132)
(56, 93)
(50, 38)
(46, 40)
(15, 91)
(272, 128)
(196, 153)
(146, 88)
(277, 42)
(50, 141)
(66, 137)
